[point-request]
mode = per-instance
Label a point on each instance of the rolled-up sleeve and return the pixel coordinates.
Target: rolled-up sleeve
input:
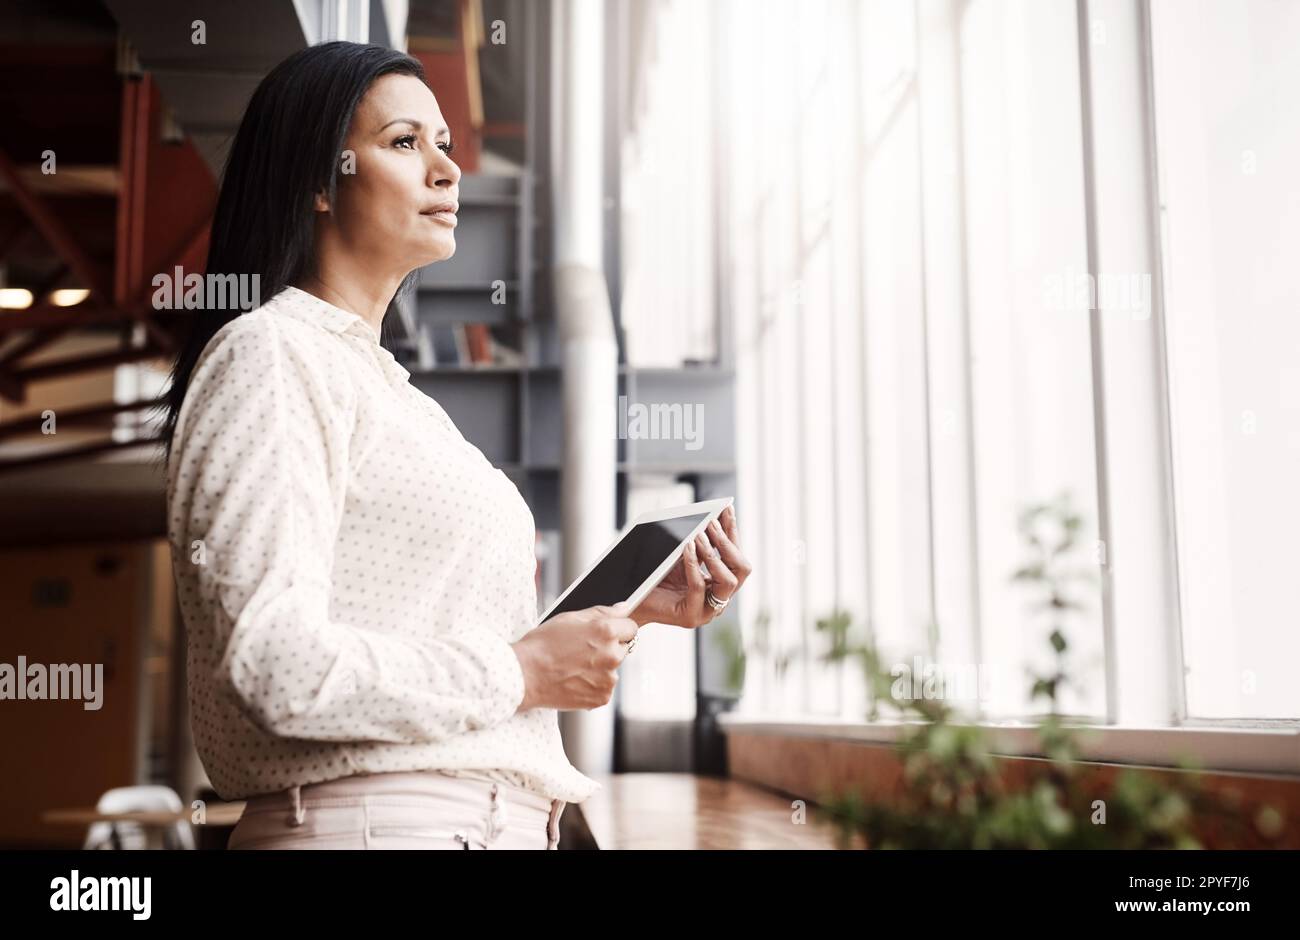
(261, 451)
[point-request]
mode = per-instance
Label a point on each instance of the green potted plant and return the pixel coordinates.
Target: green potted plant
(955, 791)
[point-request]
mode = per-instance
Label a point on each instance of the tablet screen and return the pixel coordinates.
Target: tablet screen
(629, 563)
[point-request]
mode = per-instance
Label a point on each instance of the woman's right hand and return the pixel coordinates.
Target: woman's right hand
(571, 661)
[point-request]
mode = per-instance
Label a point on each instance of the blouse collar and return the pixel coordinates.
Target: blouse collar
(312, 309)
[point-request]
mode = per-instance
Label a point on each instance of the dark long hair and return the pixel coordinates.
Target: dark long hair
(286, 150)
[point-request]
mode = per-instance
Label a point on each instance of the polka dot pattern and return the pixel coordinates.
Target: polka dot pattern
(351, 570)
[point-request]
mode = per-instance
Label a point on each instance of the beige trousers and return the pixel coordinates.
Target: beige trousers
(417, 810)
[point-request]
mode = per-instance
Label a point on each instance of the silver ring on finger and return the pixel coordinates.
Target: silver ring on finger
(713, 601)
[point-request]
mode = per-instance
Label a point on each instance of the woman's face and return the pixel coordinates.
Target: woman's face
(397, 207)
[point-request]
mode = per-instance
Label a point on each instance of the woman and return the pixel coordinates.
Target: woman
(356, 579)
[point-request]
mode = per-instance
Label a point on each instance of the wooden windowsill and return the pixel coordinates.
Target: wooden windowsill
(1258, 750)
(810, 760)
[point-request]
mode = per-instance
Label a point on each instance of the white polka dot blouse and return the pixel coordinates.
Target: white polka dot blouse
(351, 570)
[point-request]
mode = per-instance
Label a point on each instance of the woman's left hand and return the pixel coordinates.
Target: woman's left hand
(681, 597)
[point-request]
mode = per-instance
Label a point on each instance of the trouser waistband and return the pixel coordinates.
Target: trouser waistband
(415, 787)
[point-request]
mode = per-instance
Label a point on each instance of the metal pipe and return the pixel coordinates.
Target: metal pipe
(588, 350)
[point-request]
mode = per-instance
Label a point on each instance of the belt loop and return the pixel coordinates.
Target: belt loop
(299, 811)
(496, 815)
(553, 823)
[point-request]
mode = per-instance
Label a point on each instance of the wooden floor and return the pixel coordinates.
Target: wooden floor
(684, 811)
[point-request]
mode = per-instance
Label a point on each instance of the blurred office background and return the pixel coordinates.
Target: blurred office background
(918, 266)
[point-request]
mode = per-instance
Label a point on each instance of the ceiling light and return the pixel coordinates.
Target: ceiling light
(15, 298)
(69, 296)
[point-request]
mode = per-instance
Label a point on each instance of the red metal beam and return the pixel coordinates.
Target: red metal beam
(42, 292)
(159, 336)
(106, 360)
(134, 164)
(514, 130)
(11, 234)
(54, 231)
(166, 202)
(10, 387)
(38, 340)
(73, 453)
(451, 70)
(47, 317)
(194, 256)
(76, 417)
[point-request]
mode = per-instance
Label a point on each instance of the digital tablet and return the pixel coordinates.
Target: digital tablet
(636, 561)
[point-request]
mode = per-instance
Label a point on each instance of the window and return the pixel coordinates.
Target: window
(980, 255)
(1227, 106)
(1031, 363)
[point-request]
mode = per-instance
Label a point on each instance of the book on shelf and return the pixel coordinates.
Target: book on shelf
(445, 349)
(468, 345)
(478, 343)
